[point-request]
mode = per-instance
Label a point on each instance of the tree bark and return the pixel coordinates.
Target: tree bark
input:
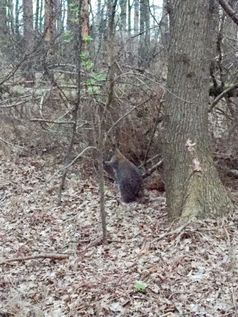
(85, 19)
(193, 187)
(50, 21)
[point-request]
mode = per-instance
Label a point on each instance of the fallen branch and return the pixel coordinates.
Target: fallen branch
(37, 256)
(177, 231)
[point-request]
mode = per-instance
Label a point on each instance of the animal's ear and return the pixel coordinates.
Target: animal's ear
(114, 153)
(108, 168)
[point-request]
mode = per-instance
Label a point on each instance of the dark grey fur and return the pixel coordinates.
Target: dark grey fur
(128, 177)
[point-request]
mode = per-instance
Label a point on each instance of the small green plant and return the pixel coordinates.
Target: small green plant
(68, 36)
(140, 286)
(94, 78)
(88, 39)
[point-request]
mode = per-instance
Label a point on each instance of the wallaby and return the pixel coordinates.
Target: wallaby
(128, 177)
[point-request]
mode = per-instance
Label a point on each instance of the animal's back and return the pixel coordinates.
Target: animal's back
(128, 177)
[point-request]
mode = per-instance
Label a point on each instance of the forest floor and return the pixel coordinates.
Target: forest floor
(150, 267)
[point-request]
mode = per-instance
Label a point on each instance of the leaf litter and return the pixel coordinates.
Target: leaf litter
(149, 267)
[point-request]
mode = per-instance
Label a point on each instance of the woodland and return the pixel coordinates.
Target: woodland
(153, 80)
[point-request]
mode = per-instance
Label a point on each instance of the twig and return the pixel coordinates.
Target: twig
(170, 233)
(13, 105)
(150, 160)
(79, 155)
(11, 144)
(123, 117)
(53, 256)
(152, 169)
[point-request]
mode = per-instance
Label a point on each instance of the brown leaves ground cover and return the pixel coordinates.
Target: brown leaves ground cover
(150, 267)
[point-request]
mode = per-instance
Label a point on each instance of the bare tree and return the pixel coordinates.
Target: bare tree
(123, 7)
(136, 16)
(28, 37)
(144, 44)
(50, 21)
(3, 19)
(129, 5)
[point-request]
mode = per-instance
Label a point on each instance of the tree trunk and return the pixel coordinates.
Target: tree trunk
(28, 38)
(3, 19)
(144, 45)
(59, 16)
(129, 18)
(136, 16)
(193, 187)
(41, 16)
(50, 21)
(28, 23)
(122, 24)
(141, 48)
(230, 35)
(17, 24)
(164, 28)
(70, 15)
(10, 15)
(85, 18)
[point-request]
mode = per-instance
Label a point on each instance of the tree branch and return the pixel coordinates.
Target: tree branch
(229, 10)
(222, 94)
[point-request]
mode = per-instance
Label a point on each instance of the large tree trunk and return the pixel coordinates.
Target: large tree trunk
(193, 187)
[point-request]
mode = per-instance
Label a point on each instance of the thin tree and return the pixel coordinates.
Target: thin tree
(59, 16)
(78, 44)
(50, 21)
(122, 24)
(136, 17)
(144, 43)
(129, 7)
(17, 24)
(28, 36)
(193, 187)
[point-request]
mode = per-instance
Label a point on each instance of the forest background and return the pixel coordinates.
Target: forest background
(78, 78)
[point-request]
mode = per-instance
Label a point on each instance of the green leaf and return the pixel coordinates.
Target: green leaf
(88, 39)
(88, 65)
(140, 286)
(92, 90)
(68, 36)
(99, 76)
